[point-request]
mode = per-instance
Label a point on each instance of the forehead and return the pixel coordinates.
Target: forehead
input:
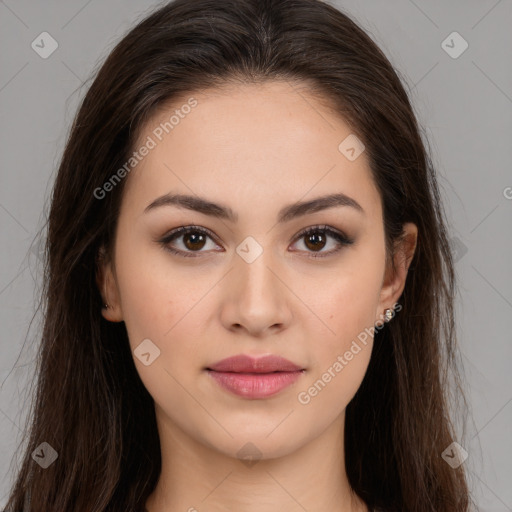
(253, 141)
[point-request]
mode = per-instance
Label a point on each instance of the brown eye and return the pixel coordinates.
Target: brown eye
(193, 240)
(317, 237)
(315, 241)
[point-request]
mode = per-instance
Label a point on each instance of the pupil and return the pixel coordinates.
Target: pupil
(317, 238)
(196, 238)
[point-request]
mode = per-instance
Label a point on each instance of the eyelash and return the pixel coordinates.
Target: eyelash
(183, 230)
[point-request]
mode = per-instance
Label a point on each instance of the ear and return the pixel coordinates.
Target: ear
(394, 278)
(106, 282)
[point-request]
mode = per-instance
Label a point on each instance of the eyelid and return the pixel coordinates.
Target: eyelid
(326, 229)
(342, 239)
(338, 235)
(188, 228)
(183, 230)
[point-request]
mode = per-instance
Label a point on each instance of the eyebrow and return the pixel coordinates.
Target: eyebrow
(286, 214)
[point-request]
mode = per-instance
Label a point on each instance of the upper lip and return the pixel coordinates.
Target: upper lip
(247, 364)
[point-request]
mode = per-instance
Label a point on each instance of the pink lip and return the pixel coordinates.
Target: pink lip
(247, 364)
(251, 377)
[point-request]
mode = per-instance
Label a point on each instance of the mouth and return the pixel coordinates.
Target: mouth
(255, 377)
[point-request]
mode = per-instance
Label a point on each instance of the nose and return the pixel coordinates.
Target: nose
(257, 298)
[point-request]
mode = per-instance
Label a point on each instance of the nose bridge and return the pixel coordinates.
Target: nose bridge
(252, 269)
(256, 293)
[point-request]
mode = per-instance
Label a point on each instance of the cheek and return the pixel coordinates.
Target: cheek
(154, 295)
(346, 301)
(144, 298)
(333, 382)
(341, 331)
(162, 305)
(340, 354)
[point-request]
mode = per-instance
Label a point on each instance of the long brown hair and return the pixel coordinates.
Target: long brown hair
(91, 406)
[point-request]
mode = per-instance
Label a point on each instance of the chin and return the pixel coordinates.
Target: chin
(256, 445)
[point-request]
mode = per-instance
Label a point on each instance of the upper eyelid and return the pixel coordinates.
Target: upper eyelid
(183, 230)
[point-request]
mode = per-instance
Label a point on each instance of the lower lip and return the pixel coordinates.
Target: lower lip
(255, 385)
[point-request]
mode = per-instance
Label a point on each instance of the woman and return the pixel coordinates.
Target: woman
(249, 293)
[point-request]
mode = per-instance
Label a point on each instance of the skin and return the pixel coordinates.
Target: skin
(255, 149)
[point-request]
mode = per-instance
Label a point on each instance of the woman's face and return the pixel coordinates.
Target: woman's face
(251, 284)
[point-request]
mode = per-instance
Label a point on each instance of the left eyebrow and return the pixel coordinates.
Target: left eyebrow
(286, 214)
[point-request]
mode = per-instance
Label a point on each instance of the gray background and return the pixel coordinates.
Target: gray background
(464, 103)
